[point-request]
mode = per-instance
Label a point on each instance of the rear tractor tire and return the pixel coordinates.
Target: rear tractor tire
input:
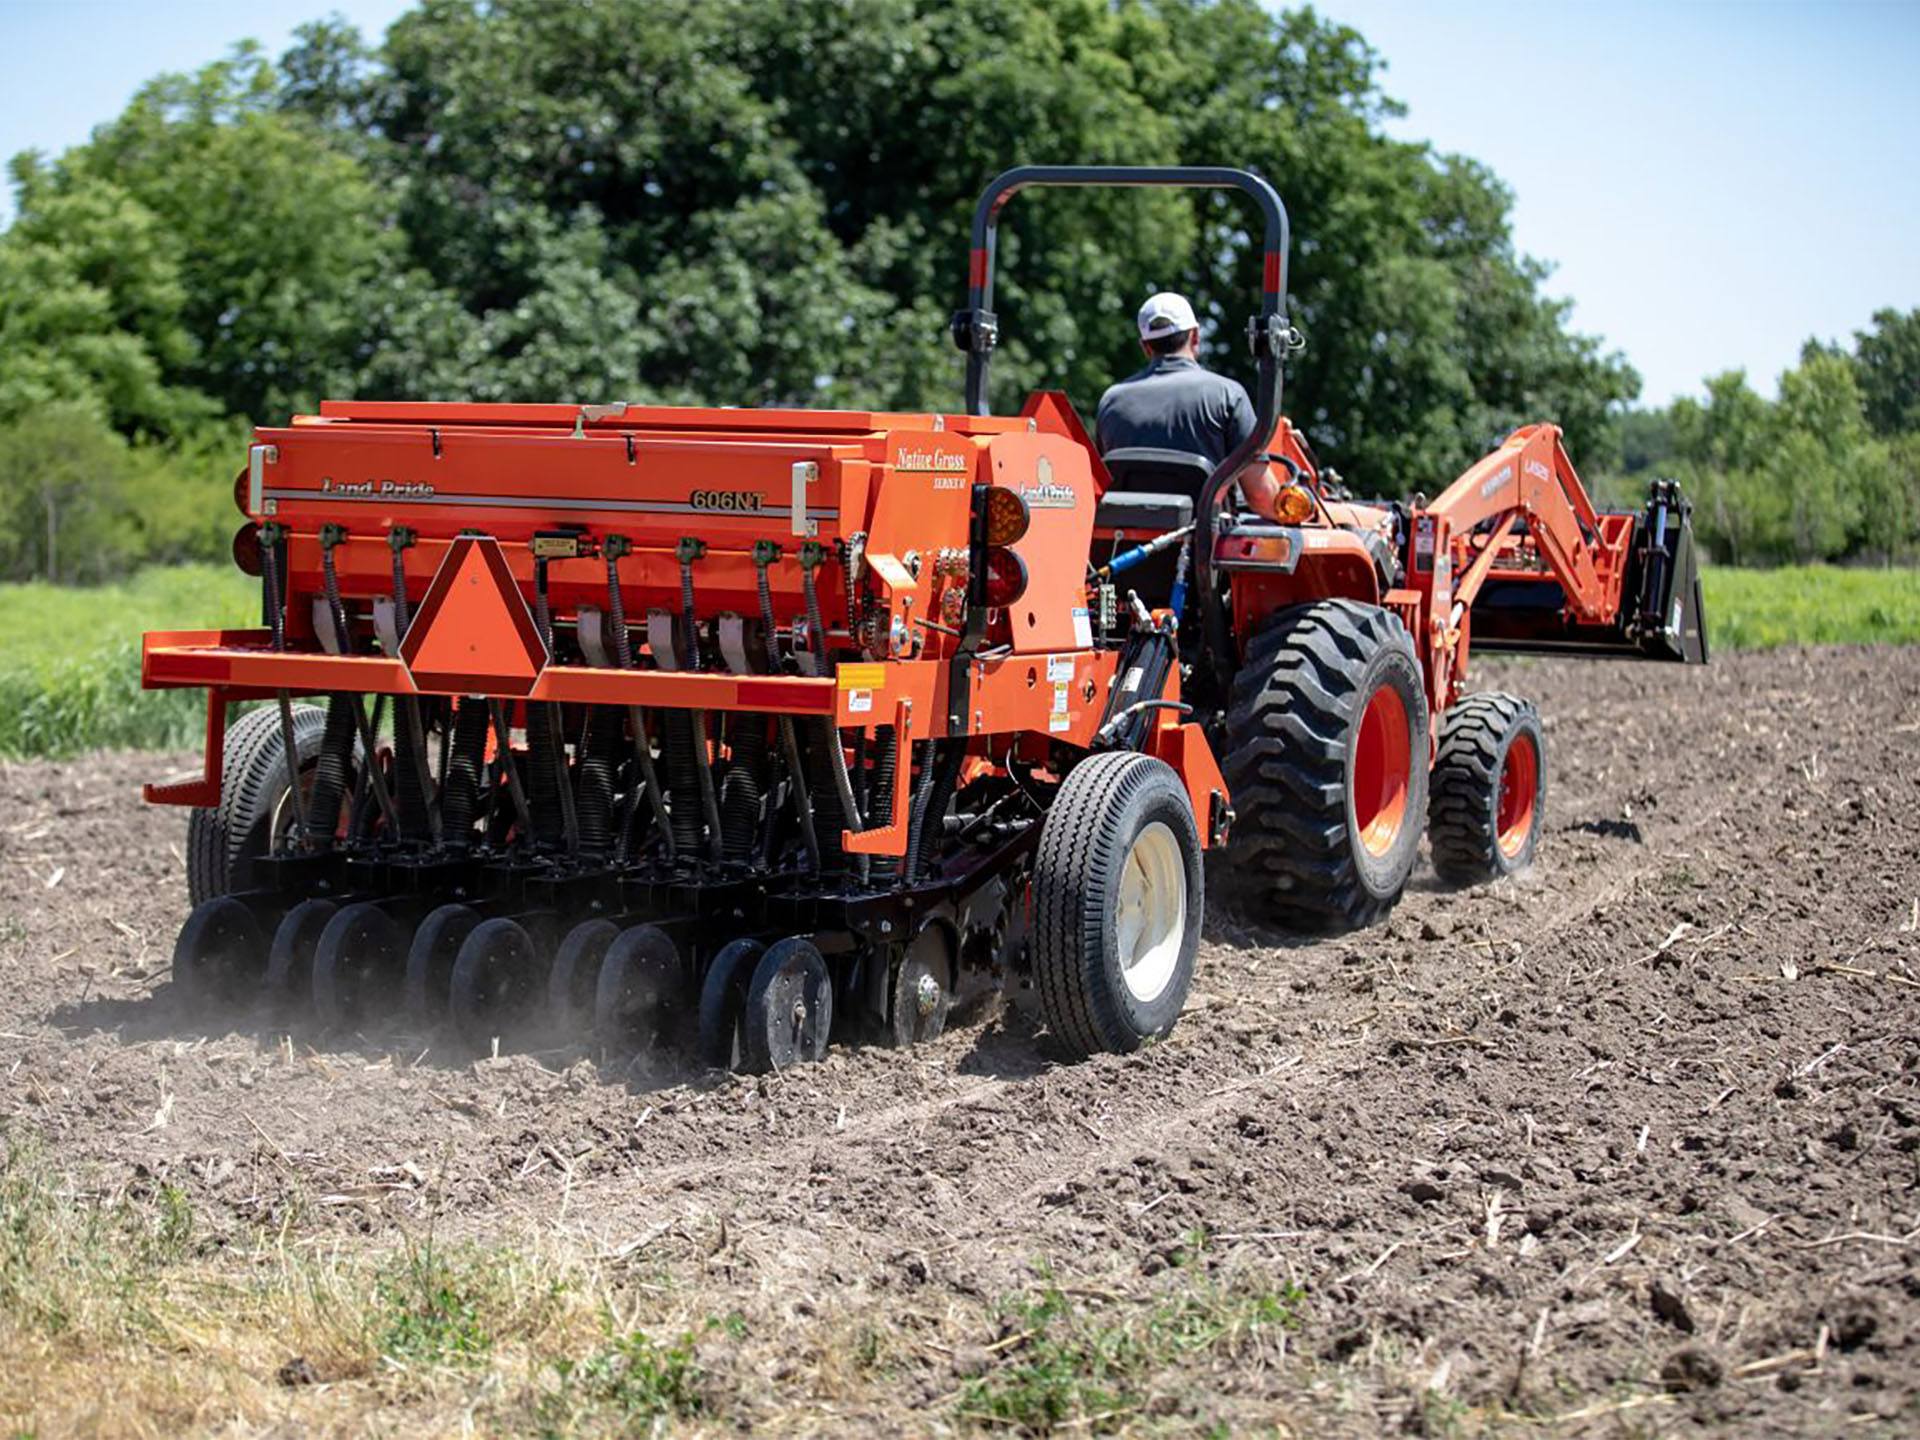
(1327, 763)
(1489, 789)
(1118, 902)
(223, 840)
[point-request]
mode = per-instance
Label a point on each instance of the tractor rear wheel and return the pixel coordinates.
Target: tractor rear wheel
(1327, 763)
(1118, 899)
(222, 840)
(1489, 789)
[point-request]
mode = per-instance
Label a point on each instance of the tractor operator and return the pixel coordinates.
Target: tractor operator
(1175, 403)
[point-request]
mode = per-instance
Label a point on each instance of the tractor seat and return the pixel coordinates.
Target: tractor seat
(1142, 513)
(1140, 468)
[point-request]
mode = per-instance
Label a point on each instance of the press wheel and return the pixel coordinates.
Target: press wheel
(436, 945)
(723, 997)
(575, 978)
(358, 966)
(498, 982)
(220, 953)
(290, 958)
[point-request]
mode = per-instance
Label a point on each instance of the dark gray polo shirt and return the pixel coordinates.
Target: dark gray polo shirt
(1175, 404)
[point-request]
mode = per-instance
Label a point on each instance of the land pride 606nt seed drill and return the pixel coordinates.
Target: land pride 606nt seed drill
(733, 730)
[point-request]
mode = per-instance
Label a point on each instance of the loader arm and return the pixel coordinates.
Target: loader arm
(1530, 479)
(1514, 556)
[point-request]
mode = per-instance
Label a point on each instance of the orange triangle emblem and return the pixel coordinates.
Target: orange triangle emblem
(473, 634)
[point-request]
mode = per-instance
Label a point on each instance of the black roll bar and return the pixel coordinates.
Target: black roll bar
(976, 330)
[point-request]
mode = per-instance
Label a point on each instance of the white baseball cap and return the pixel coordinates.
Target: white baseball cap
(1166, 314)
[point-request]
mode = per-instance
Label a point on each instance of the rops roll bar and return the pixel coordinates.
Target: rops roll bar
(976, 330)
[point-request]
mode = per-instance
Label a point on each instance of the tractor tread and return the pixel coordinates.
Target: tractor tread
(1461, 824)
(1289, 714)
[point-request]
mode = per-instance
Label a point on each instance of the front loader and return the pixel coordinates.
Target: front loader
(733, 732)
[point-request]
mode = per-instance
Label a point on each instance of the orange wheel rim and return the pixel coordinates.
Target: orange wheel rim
(1382, 771)
(1519, 787)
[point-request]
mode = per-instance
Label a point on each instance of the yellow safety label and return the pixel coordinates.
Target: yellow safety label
(863, 677)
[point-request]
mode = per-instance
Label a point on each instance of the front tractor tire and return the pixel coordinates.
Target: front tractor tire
(1118, 902)
(1489, 789)
(1327, 763)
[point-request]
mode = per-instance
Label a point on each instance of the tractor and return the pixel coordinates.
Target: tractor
(732, 732)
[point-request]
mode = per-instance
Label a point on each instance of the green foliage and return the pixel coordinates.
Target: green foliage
(632, 1378)
(80, 503)
(761, 202)
(1800, 479)
(1811, 605)
(1066, 1367)
(57, 1258)
(1887, 362)
(70, 660)
(429, 1311)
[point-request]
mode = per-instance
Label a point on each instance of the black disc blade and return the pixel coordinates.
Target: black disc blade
(922, 992)
(723, 995)
(789, 1009)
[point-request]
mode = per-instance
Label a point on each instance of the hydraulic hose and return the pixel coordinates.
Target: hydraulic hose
(880, 801)
(938, 770)
(741, 791)
(331, 535)
(599, 764)
(696, 720)
(332, 769)
(551, 790)
(829, 732)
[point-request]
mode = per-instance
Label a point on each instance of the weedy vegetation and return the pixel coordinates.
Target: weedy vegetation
(1811, 605)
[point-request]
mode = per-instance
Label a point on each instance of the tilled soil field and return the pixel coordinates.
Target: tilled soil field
(1629, 1145)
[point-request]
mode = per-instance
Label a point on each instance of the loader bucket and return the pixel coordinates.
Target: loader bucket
(1660, 617)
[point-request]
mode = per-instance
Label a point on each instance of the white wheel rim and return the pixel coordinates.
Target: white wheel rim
(1150, 920)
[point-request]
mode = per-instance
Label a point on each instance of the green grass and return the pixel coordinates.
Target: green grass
(1066, 1367)
(1811, 605)
(70, 659)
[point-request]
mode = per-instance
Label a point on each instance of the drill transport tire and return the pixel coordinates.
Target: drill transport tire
(1118, 903)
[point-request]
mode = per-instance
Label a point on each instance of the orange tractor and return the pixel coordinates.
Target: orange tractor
(736, 730)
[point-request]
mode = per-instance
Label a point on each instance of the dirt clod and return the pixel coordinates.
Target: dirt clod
(1692, 1367)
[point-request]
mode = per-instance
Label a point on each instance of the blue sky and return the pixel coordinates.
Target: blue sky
(1715, 182)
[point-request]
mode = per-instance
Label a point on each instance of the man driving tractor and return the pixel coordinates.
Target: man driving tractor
(1174, 403)
(1177, 404)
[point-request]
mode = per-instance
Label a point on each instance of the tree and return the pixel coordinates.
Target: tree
(90, 301)
(276, 234)
(63, 510)
(1887, 362)
(767, 202)
(790, 184)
